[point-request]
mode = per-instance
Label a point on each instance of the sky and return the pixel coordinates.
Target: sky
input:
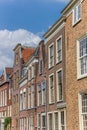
(25, 22)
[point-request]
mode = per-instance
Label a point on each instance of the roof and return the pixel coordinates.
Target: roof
(8, 71)
(26, 53)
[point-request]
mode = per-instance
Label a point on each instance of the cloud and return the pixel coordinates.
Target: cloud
(9, 39)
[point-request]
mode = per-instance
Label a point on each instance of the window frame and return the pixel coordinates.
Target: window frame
(39, 93)
(80, 109)
(60, 37)
(59, 118)
(50, 102)
(49, 66)
(57, 84)
(76, 8)
(79, 75)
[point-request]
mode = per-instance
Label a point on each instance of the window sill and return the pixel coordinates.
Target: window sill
(59, 101)
(59, 62)
(51, 103)
(51, 67)
(82, 76)
(74, 24)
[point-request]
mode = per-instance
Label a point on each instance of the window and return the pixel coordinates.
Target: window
(21, 101)
(56, 120)
(40, 66)
(51, 89)
(38, 122)
(31, 123)
(62, 121)
(32, 96)
(44, 92)
(50, 121)
(59, 49)
(32, 71)
(39, 95)
(29, 96)
(83, 113)
(43, 126)
(24, 100)
(51, 56)
(77, 13)
(82, 57)
(59, 85)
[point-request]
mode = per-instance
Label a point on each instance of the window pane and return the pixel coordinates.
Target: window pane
(62, 121)
(51, 56)
(60, 94)
(59, 49)
(51, 89)
(83, 65)
(43, 121)
(50, 122)
(56, 121)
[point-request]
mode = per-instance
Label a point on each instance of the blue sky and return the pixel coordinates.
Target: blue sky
(25, 21)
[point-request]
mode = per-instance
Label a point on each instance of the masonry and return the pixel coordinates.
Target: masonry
(48, 84)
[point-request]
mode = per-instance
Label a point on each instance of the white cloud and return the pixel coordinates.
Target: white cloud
(9, 39)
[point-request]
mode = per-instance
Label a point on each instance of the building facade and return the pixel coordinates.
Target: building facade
(55, 73)
(76, 64)
(21, 55)
(47, 89)
(5, 98)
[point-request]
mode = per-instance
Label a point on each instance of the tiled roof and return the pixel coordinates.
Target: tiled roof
(27, 52)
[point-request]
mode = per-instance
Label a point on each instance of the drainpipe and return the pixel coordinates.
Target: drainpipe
(46, 100)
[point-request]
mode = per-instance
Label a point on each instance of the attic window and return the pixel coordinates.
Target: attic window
(77, 14)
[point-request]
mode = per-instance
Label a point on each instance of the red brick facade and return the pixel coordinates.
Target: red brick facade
(48, 83)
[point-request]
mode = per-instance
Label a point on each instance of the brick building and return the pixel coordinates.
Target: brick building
(21, 55)
(76, 64)
(48, 83)
(5, 96)
(55, 73)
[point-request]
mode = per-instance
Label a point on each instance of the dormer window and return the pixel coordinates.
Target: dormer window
(77, 13)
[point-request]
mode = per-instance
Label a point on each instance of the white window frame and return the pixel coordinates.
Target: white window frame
(76, 8)
(59, 118)
(57, 84)
(79, 75)
(49, 89)
(48, 120)
(38, 125)
(57, 61)
(43, 90)
(80, 110)
(38, 95)
(24, 100)
(43, 114)
(31, 127)
(29, 97)
(32, 96)
(49, 66)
